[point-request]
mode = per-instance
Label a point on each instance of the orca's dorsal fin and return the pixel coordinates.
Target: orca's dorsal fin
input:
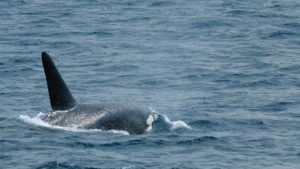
(60, 96)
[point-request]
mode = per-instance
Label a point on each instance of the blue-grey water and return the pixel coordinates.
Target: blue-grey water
(222, 75)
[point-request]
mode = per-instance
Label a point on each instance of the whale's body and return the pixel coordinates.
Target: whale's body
(134, 119)
(106, 116)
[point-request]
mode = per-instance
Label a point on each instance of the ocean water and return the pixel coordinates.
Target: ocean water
(223, 77)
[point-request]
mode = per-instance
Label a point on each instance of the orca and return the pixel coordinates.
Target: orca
(66, 112)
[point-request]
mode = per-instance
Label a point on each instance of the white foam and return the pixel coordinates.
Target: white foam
(176, 124)
(153, 111)
(37, 121)
(118, 132)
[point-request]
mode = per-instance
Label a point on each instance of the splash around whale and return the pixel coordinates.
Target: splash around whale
(66, 112)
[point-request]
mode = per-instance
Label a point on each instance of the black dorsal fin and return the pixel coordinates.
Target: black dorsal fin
(60, 96)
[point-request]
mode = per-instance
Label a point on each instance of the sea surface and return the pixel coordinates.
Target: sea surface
(222, 76)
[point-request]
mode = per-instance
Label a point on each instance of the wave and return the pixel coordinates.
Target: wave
(204, 124)
(175, 124)
(55, 164)
(198, 140)
(163, 123)
(65, 165)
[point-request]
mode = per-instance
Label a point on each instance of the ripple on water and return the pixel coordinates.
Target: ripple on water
(276, 106)
(203, 124)
(55, 164)
(199, 140)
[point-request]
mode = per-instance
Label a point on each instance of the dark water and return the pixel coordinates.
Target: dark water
(226, 74)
